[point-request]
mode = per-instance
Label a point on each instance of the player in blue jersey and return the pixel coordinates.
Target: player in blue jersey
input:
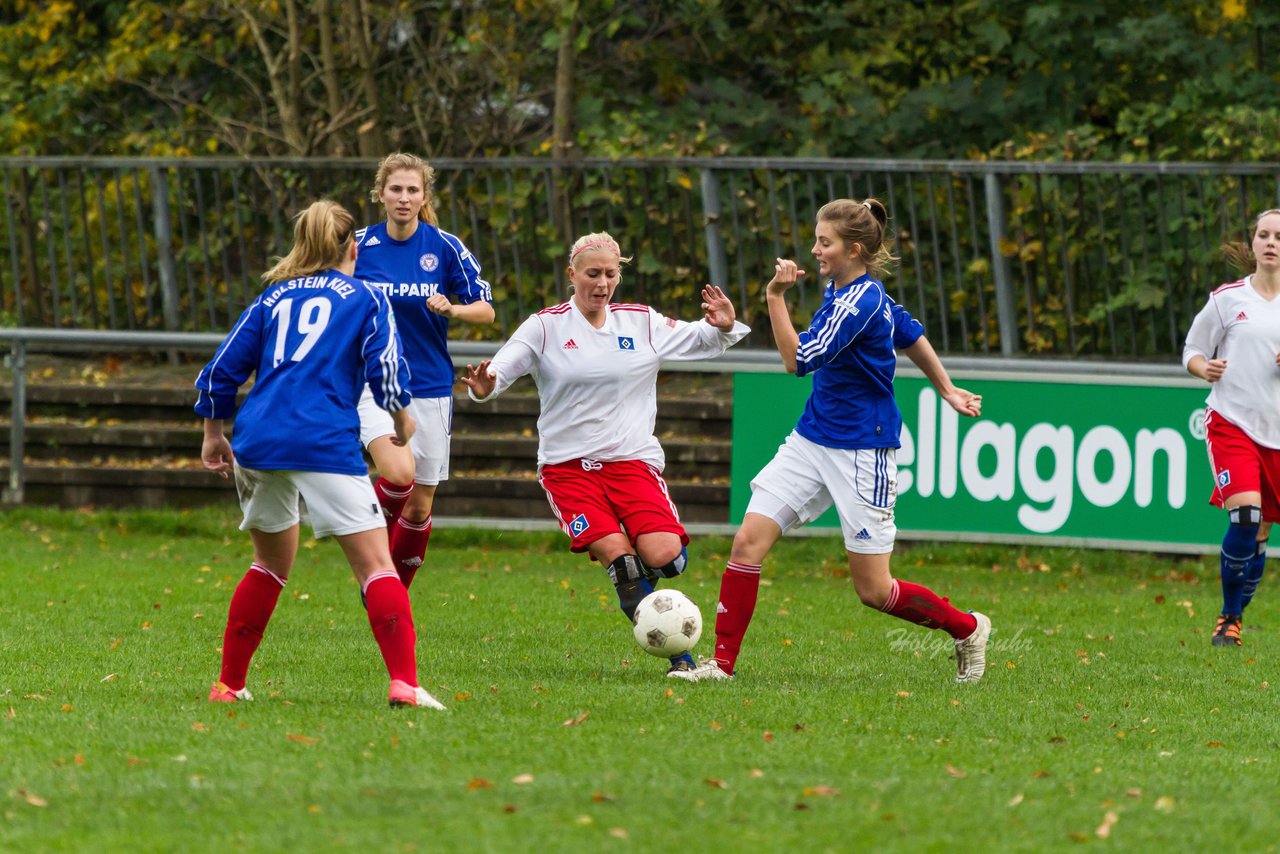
(314, 338)
(430, 278)
(842, 451)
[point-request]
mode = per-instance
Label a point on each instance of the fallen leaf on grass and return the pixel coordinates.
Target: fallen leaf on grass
(956, 772)
(717, 725)
(1104, 830)
(32, 798)
(314, 809)
(301, 739)
(110, 677)
(768, 737)
(575, 721)
(462, 696)
(199, 727)
(904, 693)
(602, 798)
(1039, 774)
(618, 832)
(521, 779)
(479, 783)
(1214, 744)
(67, 707)
(820, 791)
(1015, 800)
(510, 808)
(756, 773)
(716, 783)
(1164, 804)
(78, 759)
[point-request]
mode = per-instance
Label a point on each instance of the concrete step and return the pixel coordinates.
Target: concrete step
(464, 494)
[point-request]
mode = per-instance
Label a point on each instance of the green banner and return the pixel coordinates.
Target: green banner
(1069, 461)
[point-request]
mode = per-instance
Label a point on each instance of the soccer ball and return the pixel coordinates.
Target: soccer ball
(667, 623)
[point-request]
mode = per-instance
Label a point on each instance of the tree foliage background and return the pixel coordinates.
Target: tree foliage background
(1108, 79)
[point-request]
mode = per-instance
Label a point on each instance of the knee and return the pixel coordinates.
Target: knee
(667, 562)
(873, 597)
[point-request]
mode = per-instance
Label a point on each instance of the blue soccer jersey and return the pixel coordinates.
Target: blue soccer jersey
(430, 262)
(314, 343)
(850, 350)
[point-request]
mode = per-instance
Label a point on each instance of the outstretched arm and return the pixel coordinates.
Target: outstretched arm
(785, 337)
(926, 359)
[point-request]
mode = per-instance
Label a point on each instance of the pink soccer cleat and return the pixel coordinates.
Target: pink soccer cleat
(221, 693)
(404, 694)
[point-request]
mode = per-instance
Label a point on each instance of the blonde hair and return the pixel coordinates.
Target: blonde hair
(1240, 253)
(865, 223)
(398, 160)
(595, 240)
(321, 235)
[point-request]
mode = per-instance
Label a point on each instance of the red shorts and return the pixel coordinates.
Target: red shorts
(593, 499)
(1241, 465)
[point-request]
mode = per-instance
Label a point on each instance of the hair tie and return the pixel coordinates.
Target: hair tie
(596, 245)
(867, 205)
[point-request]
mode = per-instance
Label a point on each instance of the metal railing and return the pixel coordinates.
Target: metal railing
(1063, 259)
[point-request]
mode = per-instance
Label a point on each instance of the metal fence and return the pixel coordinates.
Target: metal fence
(1066, 259)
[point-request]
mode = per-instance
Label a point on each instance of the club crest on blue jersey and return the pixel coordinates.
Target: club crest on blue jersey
(578, 525)
(429, 262)
(1224, 478)
(625, 343)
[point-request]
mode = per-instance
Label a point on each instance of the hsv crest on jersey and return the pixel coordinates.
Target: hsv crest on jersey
(429, 262)
(1242, 316)
(569, 345)
(374, 241)
(1224, 478)
(578, 525)
(625, 343)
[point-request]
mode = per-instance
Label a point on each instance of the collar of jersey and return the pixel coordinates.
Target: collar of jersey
(865, 277)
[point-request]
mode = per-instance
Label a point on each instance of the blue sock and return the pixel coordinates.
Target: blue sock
(1256, 567)
(676, 659)
(1239, 547)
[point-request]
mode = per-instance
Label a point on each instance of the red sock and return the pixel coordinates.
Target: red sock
(392, 623)
(409, 547)
(920, 605)
(251, 607)
(739, 587)
(392, 497)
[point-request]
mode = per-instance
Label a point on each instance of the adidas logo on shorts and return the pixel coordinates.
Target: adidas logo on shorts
(862, 535)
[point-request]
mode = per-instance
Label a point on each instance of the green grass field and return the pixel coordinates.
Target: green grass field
(1105, 718)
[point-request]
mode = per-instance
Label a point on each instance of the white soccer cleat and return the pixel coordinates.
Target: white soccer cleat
(708, 670)
(404, 694)
(971, 652)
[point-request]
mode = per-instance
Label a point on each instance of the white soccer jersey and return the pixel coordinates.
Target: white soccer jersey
(1241, 327)
(598, 387)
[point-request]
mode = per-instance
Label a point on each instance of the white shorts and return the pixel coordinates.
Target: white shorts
(430, 443)
(338, 504)
(809, 478)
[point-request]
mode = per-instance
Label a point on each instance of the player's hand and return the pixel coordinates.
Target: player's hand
(216, 455)
(964, 402)
(405, 426)
(481, 379)
(785, 275)
(718, 308)
(1215, 368)
(439, 303)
